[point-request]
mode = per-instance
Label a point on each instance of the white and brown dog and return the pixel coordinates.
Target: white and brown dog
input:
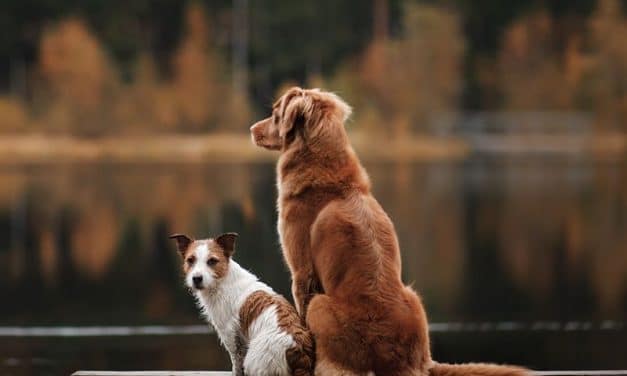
(261, 331)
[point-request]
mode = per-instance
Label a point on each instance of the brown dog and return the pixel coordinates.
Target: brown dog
(342, 249)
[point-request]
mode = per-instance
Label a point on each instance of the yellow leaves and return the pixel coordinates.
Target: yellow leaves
(589, 73)
(13, 115)
(607, 76)
(530, 76)
(195, 85)
(80, 92)
(412, 79)
(74, 65)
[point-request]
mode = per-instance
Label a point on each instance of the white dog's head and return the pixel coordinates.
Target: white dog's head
(205, 261)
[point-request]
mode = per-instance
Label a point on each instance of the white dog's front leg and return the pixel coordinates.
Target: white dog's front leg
(237, 363)
(237, 356)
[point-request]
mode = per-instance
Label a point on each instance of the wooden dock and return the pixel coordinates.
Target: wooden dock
(151, 373)
(226, 373)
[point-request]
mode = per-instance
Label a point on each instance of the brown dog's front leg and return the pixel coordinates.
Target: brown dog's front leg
(304, 287)
(299, 292)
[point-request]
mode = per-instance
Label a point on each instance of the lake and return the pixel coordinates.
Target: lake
(519, 259)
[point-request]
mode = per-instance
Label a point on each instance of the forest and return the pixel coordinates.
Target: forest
(91, 68)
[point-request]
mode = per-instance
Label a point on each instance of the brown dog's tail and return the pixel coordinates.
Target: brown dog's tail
(476, 369)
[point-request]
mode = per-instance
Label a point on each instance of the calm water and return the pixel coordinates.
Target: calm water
(527, 256)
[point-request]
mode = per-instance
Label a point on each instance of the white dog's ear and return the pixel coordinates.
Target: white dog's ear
(227, 242)
(292, 110)
(182, 242)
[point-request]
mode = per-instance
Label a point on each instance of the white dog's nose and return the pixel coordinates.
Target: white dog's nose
(197, 279)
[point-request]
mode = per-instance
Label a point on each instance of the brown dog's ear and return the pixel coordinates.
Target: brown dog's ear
(227, 242)
(292, 110)
(182, 242)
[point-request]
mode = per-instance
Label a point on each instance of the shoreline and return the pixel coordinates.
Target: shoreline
(19, 149)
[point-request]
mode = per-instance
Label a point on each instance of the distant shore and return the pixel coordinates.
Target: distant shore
(237, 148)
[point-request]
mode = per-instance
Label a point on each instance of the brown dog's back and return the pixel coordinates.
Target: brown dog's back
(356, 252)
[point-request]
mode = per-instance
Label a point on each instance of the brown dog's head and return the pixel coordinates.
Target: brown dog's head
(300, 113)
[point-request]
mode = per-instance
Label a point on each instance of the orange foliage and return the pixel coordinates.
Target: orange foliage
(79, 91)
(78, 81)
(530, 73)
(202, 97)
(411, 80)
(589, 74)
(195, 85)
(146, 103)
(607, 79)
(74, 65)
(407, 84)
(13, 115)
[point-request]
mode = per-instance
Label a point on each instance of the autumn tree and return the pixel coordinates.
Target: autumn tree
(530, 70)
(204, 98)
(78, 83)
(195, 83)
(605, 86)
(406, 83)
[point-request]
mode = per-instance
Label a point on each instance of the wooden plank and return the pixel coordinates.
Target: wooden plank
(582, 373)
(151, 373)
(225, 373)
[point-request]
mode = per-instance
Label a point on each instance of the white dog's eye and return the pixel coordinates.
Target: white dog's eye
(212, 261)
(190, 260)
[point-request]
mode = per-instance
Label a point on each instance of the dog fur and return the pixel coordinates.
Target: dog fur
(342, 249)
(259, 328)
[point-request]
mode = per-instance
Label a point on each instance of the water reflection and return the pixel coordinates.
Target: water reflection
(482, 240)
